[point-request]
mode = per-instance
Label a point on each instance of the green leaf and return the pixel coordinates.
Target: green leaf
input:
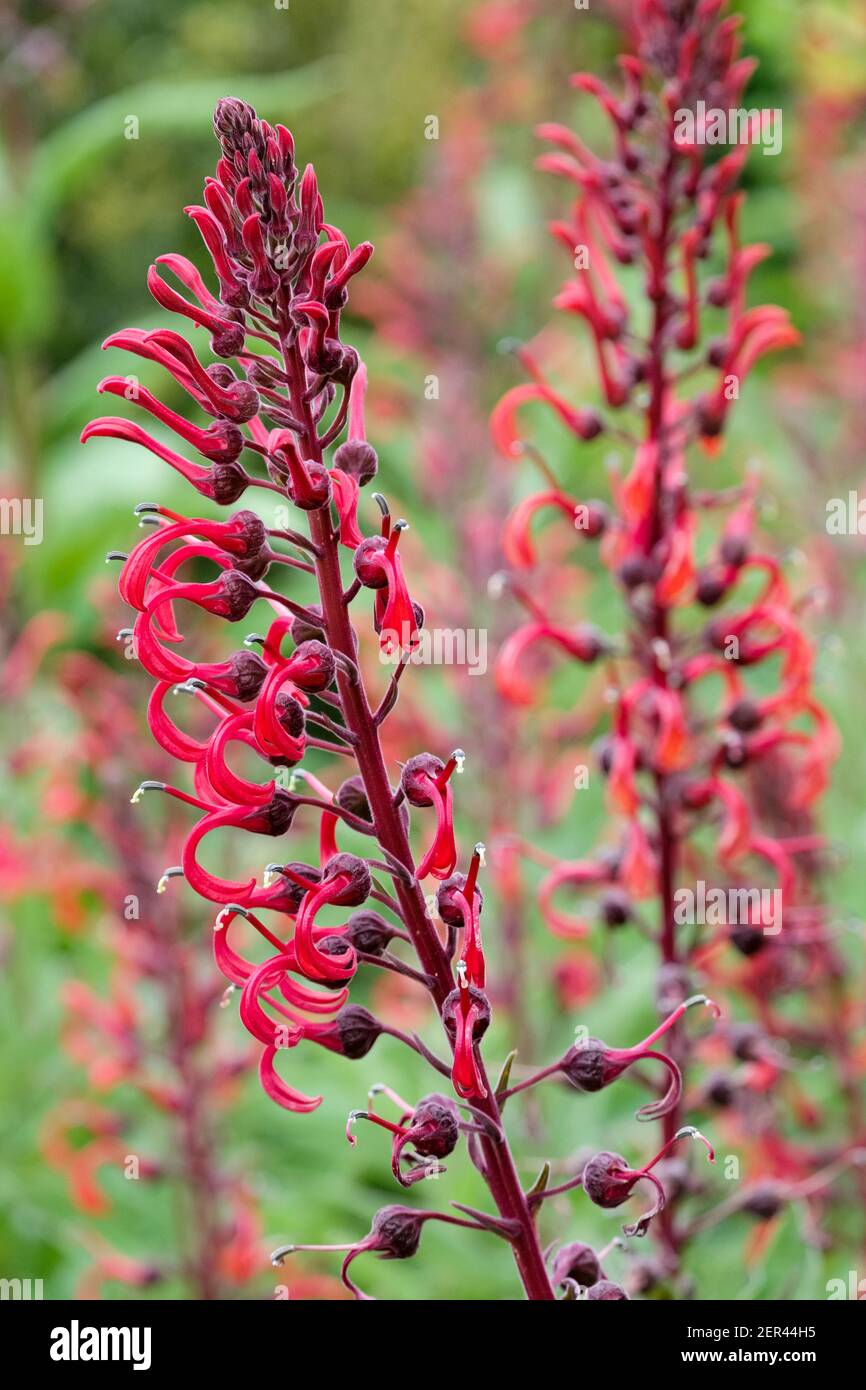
(72, 153)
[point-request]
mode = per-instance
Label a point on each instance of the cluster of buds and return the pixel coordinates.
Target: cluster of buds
(719, 783)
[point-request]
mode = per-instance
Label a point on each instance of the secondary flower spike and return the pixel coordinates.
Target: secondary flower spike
(701, 712)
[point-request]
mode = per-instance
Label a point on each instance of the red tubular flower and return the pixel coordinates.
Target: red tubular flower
(279, 1090)
(395, 1235)
(232, 290)
(608, 1181)
(584, 644)
(224, 482)
(432, 1128)
(272, 818)
(756, 333)
(577, 874)
(241, 537)
(516, 538)
(466, 1016)
(226, 337)
(425, 782)
(459, 902)
(378, 566)
(231, 597)
(237, 401)
(222, 442)
(345, 882)
(592, 1065)
(503, 422)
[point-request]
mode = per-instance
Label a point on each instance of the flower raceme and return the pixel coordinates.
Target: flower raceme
(284, 414)
(283, 275)
(706, 716)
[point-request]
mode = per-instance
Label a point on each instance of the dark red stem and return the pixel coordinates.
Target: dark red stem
(500, 1171)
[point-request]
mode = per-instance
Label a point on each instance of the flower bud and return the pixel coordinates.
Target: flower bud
(336, 947)
(734, 753)
(709, 588)
(367, 562)
(719, 1090)
(606, 1291)
(238, 594)
(734, 550)
(596, 518)
(396, 1232)
(607, 1180)
(637, 569)
(357, 1031)
(359, 880)
(359, 459)
(416, 774)
(245, 401)
(352, 796)
(303, 631)
(251, 531)
(615, 908)
(586, 643)
(746, 939)
(293, 893)
(229, 341)
(248, 672)
(318, 663)
(589, 1066)
(232, 121)
(745, 716)
(278, 813)
(369, 933)
(450, 902)
(435, 1127)
(765, 1202)
(578, 1262)
(315, 490)
(291, 717)
(226, 482)
(747, 1042)
(452, 1008)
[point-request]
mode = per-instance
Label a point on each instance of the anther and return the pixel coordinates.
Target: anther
(175, 872)
(145, 787)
